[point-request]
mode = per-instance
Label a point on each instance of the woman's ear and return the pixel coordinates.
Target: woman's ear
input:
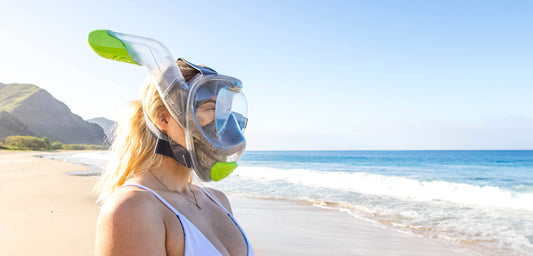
(162, 120)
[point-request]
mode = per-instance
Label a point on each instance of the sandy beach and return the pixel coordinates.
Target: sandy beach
(46, 211)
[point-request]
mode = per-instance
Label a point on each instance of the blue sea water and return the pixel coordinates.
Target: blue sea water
(477, 199)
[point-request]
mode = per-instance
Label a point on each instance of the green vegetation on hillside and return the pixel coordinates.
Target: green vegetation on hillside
(12, 94)
(34, 143)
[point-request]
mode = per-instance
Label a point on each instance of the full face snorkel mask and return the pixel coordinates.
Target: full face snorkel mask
(209, 107)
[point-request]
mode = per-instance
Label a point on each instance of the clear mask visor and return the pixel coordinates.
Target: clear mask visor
(221, 112)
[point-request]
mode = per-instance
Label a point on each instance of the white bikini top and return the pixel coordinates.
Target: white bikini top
(195, 241)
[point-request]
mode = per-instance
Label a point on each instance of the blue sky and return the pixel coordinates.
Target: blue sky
(318, 75)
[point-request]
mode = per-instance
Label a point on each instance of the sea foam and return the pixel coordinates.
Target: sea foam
(394, 186)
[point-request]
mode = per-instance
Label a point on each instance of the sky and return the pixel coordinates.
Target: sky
(318, 75)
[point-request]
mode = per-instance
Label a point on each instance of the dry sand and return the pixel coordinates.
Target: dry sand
(45, 211)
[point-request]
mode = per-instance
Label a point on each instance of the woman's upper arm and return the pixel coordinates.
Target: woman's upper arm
(130, 225)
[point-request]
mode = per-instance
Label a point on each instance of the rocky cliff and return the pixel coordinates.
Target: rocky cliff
(106, 124)
(30, 110)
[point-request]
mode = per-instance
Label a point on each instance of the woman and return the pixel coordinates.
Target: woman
(151, 206)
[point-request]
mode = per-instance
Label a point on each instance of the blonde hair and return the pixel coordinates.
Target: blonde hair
(133, 144)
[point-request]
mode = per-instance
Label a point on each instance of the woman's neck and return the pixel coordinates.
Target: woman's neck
(173, 176)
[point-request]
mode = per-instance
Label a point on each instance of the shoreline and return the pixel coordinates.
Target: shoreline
(299, 228)
(48, 211)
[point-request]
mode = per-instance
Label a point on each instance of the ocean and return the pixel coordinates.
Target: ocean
(482, 200)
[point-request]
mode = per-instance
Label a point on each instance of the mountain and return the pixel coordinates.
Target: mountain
(9, 125)
(106, 124)
(26, 109)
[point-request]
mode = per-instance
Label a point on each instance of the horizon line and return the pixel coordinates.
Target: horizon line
(286, 150)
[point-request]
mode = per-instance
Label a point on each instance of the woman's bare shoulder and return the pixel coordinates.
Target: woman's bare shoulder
(221, 197)
(130, 202)
(130, 223)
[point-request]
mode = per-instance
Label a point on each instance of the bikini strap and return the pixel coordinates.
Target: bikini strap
(248, 246)
(214, 199)
(165, 202)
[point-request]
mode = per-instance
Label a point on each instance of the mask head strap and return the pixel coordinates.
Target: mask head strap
(189, 70)
(167, 146)
(174, 151)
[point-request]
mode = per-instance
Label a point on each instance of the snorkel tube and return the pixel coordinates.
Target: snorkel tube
(142, 51)
(138, 50)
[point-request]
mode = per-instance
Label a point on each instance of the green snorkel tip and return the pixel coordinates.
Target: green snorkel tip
(221, 170)
(109, 47)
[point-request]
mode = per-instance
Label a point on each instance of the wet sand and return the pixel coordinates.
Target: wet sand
(282, 227)
(45, 211)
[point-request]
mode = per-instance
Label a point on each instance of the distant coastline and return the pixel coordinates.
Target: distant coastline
(28, 110)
